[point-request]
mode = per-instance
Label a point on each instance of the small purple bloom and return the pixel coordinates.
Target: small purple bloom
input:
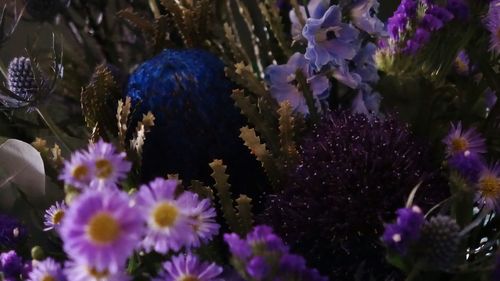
(421, 37)
(459, 8)
(54, 215)
(78, 171)
(363, 16)
(400, 235)
(189, 267)
(168, 224)
(257, 268)
(282, 83)
(110, 165)
(202, 219)
(263, 235)
(238, 247)
(397, 24)
(101, 229)
(467, 164)
(459, 141)
(329, 39)
(47, 270)
(488, 186)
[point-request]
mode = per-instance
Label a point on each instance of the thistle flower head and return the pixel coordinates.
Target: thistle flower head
(353, 172)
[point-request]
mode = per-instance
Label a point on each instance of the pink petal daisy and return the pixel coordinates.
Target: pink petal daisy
(47, 270)
(202, 216)
(189, 268)
(82, 272)
(78, 171)
(110, 166)
(488, 187)
(54, 215)
(459, 141)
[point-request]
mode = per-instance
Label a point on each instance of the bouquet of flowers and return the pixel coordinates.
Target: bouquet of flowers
(257, 140)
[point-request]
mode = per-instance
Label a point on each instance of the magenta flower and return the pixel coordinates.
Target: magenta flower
(329, 40)
(168, 222)
(110, 166)
(488, 187)
(202, 219)
(101, 229)
(78, 171)
(282, 82)
(54, 215)
(189, 267)
(81, 272)
(460, 141)
(47, 270)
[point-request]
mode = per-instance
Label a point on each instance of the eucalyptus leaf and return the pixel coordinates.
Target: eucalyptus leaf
(22, 166)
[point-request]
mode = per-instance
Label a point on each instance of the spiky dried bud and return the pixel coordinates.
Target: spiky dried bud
(440, 242)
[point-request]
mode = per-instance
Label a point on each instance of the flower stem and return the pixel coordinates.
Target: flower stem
(154, 8)
(53, 128)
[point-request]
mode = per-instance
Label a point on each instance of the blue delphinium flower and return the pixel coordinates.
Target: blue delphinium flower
(316, 9)
(366, 101)
(329, 40)
(282, 82)
(400, 235)
(364, 63)
(363, 16)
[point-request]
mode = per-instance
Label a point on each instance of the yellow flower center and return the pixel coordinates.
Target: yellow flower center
(80, 172)
(189, 278)
(165, 214)
(57, 217)
(461, 66)
(459, 144)
(98, 274)
(490, 186)
(103, 228)
(104, 168)
(48, 278)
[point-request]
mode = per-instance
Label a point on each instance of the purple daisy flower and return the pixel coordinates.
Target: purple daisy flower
(329, 40)
(47, 270)
(188, 267)
(81, 272)
(110, 165)
(202, 219)
(78, 171)
(283, 84)
(459, 141)
(363, 16)
(169, 225)
(101, 229)
(493, 26)
(54, 215)
(316, 8)
(488, 186)
(469, 165)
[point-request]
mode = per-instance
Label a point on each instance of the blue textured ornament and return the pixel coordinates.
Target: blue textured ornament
(196, 120)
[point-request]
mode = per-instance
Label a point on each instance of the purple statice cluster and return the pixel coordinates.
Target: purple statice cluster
(262, 255)
(103, 226)
(12, 267)
(402, 234)
(465, 151)
(411, 30)
(334, 49)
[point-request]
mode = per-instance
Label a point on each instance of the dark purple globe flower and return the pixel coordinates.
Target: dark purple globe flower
(364, 17)
(329, 40)
(282, 82)
(354, 171)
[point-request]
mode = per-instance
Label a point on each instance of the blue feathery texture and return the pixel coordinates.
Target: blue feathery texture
(196, 120)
